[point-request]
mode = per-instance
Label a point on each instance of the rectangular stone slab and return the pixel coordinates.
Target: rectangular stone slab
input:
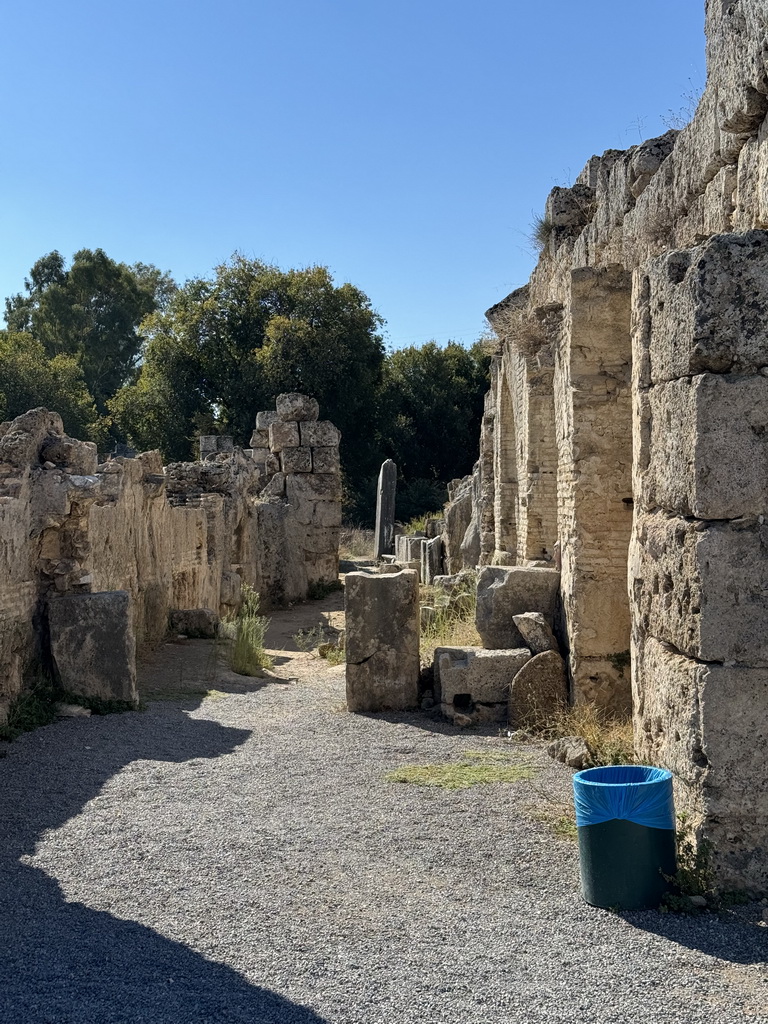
(382, 640)
(93, 646)
(506, 591)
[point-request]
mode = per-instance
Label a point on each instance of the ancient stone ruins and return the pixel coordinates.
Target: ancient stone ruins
(624, 451)
(99, 558)
(617, 512)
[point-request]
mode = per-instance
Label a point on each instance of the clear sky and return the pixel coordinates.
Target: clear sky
(406, 145)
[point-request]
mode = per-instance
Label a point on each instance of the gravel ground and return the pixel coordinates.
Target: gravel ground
(240, 857)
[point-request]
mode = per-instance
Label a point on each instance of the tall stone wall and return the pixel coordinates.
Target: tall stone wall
(180, 537)
(633, 369)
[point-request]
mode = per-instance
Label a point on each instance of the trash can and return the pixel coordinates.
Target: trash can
(625, 818)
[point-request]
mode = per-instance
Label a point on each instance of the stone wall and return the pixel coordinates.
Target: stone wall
(632, 369)
(180, 537)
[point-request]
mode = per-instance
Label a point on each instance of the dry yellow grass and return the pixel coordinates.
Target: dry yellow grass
(453, 624)
(355, 543)
(609, 737)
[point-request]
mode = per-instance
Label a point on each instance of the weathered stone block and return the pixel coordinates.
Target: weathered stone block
(538, 692)
(313, 487)
(264, 421)
(325, 460)
(293, 407)
(276, 487)
(476, 675)
(503, 592)
(431, 559)
(193, 622)
(20, 442)
(536, 632)
(702, 586)
(691, 315)
(327, 513)
(322, 434)
(93, 646)
(382, 639)
(296, 460)
(706, 723)
(702, 446)
(283, 435)
(260, 439)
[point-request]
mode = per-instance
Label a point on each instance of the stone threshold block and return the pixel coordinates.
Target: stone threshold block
(506, 591)
(93, 646)
(382, 640)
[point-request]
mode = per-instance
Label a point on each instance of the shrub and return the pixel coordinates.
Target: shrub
(248, 657)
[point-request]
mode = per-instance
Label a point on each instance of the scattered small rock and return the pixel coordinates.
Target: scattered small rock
(698, 901)
(72, 711)
(570, 750)
(463, 721)
(427, 703)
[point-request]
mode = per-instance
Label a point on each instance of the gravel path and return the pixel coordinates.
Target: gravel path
(240, 857)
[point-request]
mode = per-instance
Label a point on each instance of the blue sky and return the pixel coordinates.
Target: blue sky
(405, 145)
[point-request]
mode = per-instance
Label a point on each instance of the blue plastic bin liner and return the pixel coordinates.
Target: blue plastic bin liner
(630, 792)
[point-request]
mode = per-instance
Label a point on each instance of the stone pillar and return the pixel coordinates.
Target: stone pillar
(384, 537)
(698, 574)
(382, 640)
(504, 472)
(212, 445)
(594, 416)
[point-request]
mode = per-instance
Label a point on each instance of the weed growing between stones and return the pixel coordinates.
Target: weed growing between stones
(558, 817)
(448, 617)
(541, 232)
(609, 738)
(248, 657)
(474, 768)
(34, 706)
(693, 884)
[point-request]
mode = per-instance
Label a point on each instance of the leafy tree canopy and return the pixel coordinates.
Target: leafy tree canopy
(222, 349)
(90, 312)
(28, 378)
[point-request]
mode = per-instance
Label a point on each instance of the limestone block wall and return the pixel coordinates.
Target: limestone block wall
(184, 536)
(643, 330)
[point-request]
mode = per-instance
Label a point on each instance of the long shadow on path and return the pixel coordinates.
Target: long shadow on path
(63, 963)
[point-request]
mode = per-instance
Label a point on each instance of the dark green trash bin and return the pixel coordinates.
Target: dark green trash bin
(626, 823)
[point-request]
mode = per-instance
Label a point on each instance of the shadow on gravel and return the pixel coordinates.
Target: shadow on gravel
(432, 721)
(63, 963)
(723, 936)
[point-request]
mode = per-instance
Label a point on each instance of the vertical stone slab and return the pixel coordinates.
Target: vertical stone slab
(384, 536)
(382, 640)
(93, 646)
(594, 417)
(431, 559)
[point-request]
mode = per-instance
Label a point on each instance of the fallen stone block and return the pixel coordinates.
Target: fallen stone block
(536, 632)
(382, 639)
(506, 591)
(296, 408)
(193, 622)
(475, 675)
(571, 750)
(538, 692)
(93, 646)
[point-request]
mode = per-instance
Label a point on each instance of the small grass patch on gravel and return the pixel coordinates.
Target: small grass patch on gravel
(474, 768)
(560, 818)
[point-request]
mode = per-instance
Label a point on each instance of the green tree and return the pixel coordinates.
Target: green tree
(90, 312)
(28, 378)
(222, 349)
(431, 408)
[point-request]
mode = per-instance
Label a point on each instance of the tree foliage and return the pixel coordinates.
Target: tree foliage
(432, 402)
(224, 348)
(90, 312)
(28, 378)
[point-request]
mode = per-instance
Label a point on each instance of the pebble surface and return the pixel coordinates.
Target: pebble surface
(242, 858)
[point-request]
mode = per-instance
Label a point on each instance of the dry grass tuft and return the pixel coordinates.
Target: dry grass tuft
(355, 542)
(609, 737)
(453, 624)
